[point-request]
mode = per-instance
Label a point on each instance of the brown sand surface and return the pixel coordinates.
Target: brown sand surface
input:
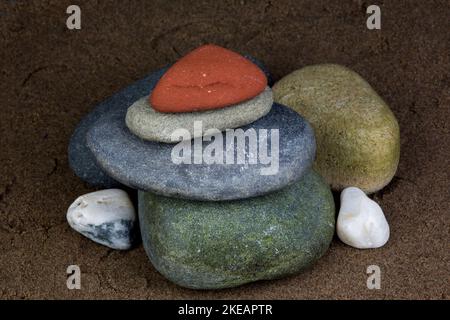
(51, 77)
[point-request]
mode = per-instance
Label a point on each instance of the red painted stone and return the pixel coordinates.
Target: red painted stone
(209, 77)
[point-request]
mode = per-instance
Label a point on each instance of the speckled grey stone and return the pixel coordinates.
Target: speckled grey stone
(152, 125)
(148, 166)
(81, 160)
(213, 245)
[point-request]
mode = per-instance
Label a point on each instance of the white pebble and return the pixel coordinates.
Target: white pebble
(106, 217)
(361, 222)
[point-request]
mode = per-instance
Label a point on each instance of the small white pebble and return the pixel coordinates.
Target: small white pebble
(106, 217)
(361, 222)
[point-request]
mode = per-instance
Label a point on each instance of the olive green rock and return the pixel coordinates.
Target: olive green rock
(357, 135)
(213, 245)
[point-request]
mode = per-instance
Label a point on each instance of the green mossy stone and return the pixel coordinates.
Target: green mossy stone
(357, 135)
(213, 245)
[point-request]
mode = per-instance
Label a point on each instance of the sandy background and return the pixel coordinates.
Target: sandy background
(51, 77)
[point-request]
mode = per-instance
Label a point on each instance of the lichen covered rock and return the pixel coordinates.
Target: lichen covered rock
(212, 245)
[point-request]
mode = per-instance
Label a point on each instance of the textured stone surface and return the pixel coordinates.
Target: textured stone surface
(152, 125)
(148, 166)
(106, 217)
(211, 245)
(81, 160)
(358, 138)
(207, 78)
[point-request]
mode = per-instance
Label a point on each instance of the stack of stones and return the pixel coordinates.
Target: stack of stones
(215, 210)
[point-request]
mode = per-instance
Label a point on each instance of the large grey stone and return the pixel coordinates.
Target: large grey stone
(81, 160)
(149, 166)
